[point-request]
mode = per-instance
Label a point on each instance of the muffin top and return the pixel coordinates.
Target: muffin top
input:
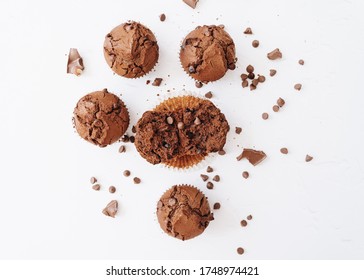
(183, 212)
(162, 135)
(131, 50)
(207, 53)
(101, 118)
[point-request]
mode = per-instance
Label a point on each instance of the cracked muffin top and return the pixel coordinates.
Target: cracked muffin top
(184, 212)
(101, 118)
(207, 53)
(131, 50)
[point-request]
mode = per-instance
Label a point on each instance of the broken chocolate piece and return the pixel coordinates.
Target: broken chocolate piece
(111, 209)
(253, 156)
(75, 63)
(275, 54)
(157, 82)
(191, 3)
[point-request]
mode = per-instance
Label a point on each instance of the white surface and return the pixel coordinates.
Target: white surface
(301, 210)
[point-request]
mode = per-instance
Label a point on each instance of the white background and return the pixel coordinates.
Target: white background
(301, 210)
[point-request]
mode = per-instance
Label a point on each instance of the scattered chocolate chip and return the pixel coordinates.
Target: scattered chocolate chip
(261, 79)
(132, 139)
(301, 62)
(245, 83)
(210, 185)
(253, 156)
(74, 63)
(191, 69)
(253, 87)
(126, 173)
(255, 82)
(272, 72)
(111, 209)
(209, 169)
(216, 178)
(169, 120)
(96, 187)
(204, 177)
(249, 217)
(93, 180)
(255, 43)
(136, 180)
(265, 116)
(238, 130)
(251, 76)
(275, 108)
(191, 3)
(248, 31)
(243, 223)
(221, 152)
(308, 158)
(297, 86)
(217, 206)
(157, 82)
(275, 54)
(122, 149)
(250, 69)
(281, 102)
(133, 129)
(245, 174)
(244, 76)
(162, 17)
(197, 121)
(198, 84)
(232, 66)
(284, 151)
(208, 94)
(240, 251)
(125, 138)
(147, 82)
(180, 125)
(112, 189)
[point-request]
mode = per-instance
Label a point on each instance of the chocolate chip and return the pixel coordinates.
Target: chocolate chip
(275, 54)
(111, 209)
(208, 94)
(244, 77)
(261, 79)
(250, 69)
(245, 174)
(169, 120)
(281, 102)
(125, 138)
(221, 152)
(122, 149)
(210, 185)
(275, 108)
(232, 66)
(172, 201)
(74, 63)
(308, 158)
(126, 173)
(198, 84)
(284, 151)
(162, 17)
(133, 129)
(297, 86)
(136, 180)
(191, 69)
(132, 139)
(253, 156)
(249, 217)
(180, 125)
(209, 169)
(93, 180)
(248, 31)
(96, 187)
(251, 76)
(238, 130)
(301, 62)
(217, 206)
(245, 83)
(255, 43)
(252, 87)
(240, 251)
(255, 82)
(112, 189)
(191, 3)
(147, 82)
(272, 72)
(265, 116)
(157, 82)
(204, 177)
(216, 178)
(243, 223)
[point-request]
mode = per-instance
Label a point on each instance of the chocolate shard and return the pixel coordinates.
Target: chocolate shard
(75, 63)
(191, 3)
(275, 54)
(253, 156)
(157, 82)
(111, 209)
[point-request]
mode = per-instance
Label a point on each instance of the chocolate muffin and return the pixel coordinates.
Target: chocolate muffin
(207, 53)
(179, 127)
(184, 212)
(131, 50)
(101, 118)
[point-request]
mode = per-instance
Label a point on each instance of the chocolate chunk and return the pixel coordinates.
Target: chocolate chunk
(308, 158)
(238, 130)
(248, 31)
(208, 94)
(210, 185)
(125, 138)
(301, 62)
(249, 217)
(221, 152)
(253, 156)
(132, 139)
(280, 102)
(252, 87)
(122, 149)
(93, 180)
(216, 178)
(162, 17)
(136, 180)
(112, 189)
(297, 86)
(191, 3)
(275, 54)
(111, 209)
(243, 223)
(198, 84)
(169, 120)
(275, 108)
(96, 187)
(272, 72)
(126, 173)
(255, 43)
(251, 76)
(245, 83)
(244, 77)
(204, 177)
(209, 169)
(245, 174)
(74, 63)
(265, 116)
(261, 79)
(284, 151)
(240, 251)
(217, 206)
(157, 82)
(180, 125)
(250, 69)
